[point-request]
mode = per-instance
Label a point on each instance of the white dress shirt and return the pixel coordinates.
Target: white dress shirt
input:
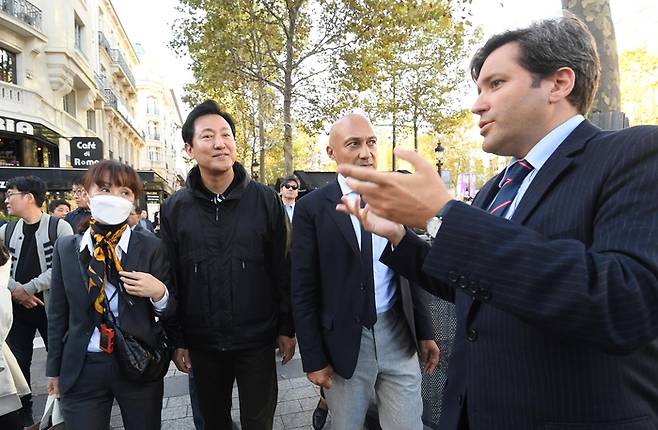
(121, 248)
(539, 154)
(385, 287)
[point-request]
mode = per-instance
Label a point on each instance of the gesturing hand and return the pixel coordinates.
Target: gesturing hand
(406, 199)
(392, 231)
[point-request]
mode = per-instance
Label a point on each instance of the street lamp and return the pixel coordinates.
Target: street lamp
(439, 155)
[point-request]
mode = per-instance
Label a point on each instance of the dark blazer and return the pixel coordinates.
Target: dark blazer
(327, 297)
(557, 309)
(71, 323)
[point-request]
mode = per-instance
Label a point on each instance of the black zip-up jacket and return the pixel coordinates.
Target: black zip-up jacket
(230, 271)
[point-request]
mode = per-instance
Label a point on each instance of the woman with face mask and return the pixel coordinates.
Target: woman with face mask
(107, 268)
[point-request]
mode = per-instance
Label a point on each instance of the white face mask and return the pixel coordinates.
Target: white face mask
(109, 210)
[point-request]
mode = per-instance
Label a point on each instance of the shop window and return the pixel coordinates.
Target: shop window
(9, 151)
(69, 103)
(7, 66)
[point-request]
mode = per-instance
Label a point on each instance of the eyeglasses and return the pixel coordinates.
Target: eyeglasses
(291, 186)
(9, 194)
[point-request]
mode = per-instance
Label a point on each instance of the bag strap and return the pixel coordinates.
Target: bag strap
(9, 231)
(52, 229)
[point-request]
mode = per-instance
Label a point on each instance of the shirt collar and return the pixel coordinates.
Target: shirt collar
(344, 188)
(542, 151)
(86, 241)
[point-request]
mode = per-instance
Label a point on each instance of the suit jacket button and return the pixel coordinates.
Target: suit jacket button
(363, 286)
(462, 282)
(473, 287)
(472, 335)
(452, 276)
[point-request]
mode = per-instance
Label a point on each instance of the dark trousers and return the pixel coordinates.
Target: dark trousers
(255, 371)
(194, 402)
(12, 421)
(88, 404)
(21, 337)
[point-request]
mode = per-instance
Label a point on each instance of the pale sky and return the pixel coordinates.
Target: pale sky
(149, 22)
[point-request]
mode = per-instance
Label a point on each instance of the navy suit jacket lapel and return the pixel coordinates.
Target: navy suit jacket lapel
(554, 167)
(343, 221)
(486, 195)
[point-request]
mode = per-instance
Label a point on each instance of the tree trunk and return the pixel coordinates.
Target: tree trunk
(293, 13)
(596, 14)
(395, 123)
(416, 132)
(261, 132)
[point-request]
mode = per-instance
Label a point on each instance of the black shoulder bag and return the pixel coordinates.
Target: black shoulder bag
(138, 361)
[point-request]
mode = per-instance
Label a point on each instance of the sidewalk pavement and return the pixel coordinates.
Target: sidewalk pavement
(296, 402)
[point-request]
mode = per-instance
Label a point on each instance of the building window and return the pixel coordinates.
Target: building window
(153, 130)
(69, 103)
(79, 34)
(7, 66)
(152, 106)
(91, 120)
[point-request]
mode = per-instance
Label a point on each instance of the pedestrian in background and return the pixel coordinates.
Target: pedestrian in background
(30, 241)
(59, 208)
(79, 217)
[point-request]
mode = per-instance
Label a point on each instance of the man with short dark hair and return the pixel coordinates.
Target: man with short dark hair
(553, 269)
(226, 239)
(144, 220)
(59, 208)
(80, 215)
(289, 191)
(31, 247)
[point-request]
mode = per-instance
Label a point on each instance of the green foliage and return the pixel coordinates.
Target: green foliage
(639, 86)
(406, 65)
(285, 69)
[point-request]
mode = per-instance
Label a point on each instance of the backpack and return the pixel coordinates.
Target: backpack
(52, 230)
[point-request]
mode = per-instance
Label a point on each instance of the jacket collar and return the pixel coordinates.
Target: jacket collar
(343, 221)
(237, 187)
(555, 166)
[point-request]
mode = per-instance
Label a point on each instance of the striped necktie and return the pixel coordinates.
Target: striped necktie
(512, 181)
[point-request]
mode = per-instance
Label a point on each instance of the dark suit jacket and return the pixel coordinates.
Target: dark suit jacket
(327, 297)
(557, 309)
(71, 323)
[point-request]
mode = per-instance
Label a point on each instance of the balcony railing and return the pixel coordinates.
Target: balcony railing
(10, 94)
(101, 81)
(104, 43)
(116, 102)
(22, 10)
(118, 59)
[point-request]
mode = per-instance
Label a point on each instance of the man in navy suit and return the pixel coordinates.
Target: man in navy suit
(357, 323)
(554, 268)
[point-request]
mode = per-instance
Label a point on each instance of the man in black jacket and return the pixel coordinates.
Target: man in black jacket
(226, 238)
